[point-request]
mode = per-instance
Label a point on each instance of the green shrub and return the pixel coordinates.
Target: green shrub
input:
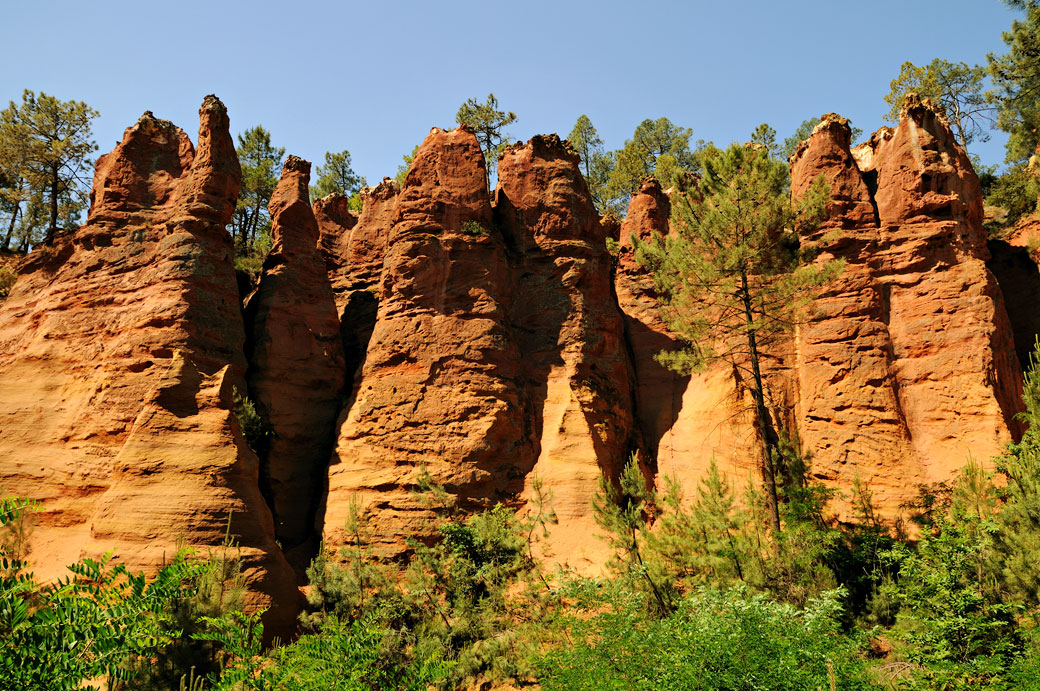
(716, 639)
(55, 637)
(254, 429)
(1016, 192)
(475, 228)
(359, 656)
(7, 279)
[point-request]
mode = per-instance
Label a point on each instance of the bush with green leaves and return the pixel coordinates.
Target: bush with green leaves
(720, 639)
(254, 429)
(472, 600)
(7, 278)
(59, 635)
(352, 657)
(1016, 192)
(215, 600)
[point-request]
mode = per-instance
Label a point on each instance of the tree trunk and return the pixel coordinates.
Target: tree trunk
(54, 206)
(10, 226)
(768, 473)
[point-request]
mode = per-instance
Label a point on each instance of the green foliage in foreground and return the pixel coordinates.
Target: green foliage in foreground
(59, 635)
(716, 639)
(351, 657)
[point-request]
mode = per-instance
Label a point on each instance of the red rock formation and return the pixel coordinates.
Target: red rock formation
(497, 355)
(685, 421)
(893, 388)
(95, 401)
(354, 251)
(296, 366)
(334, 219)
(576, 372)
(438, 386)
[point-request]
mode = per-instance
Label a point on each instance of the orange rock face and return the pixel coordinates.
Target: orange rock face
(576, 374)
(354, 249)
(296, 364)
(497, 355)
(906, 367)
(488, 343)
(438, 386)
(118, 349)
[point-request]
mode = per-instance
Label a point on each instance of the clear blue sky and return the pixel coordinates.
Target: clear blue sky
(373, 77)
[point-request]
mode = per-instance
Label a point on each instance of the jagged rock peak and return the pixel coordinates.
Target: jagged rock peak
(141, 173)
(916, 107)
(212, 104)
(386, 189)
(295, 164)
(826, 152)
(446, 187)
(828, 121)
(545, 146)
(650, 185)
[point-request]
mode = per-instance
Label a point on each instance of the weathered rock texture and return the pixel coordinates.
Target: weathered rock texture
(489, 344)
(438, 387)
(685, 421)
(576, 374)
(119, 347)
(354, 249)
(497, 355)
(906, 367)
(296, 364)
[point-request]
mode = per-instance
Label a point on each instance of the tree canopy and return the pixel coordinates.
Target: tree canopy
(489, 123)
(45, 165)
(336, 176)
(957, 87)
(251, 225)
(1016, 76)
(732, 276)
(596, 163)
(657, 148)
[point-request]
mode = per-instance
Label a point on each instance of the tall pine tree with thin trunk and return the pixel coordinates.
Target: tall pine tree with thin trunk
(732, 276)
(45, 148)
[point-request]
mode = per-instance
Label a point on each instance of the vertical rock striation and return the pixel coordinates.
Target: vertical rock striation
(354, 249)
(576, 373)
(498, 353)
(119, 347)
(296, 364)
(438, 388)
(906, 367)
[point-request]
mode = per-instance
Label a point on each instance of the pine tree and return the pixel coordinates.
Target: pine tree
(260, 162)
(731, 276)
(336, 176)
(488, 123)
(45, 145)
(1016, 76)
(657, 148)
(956, 87)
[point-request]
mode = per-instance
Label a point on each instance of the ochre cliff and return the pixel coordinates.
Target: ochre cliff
(575, 372)
(119, 348)
(906, 368)
(484, 339)
(353, 249)
(498, 360)
(296, 364)
(438, 387)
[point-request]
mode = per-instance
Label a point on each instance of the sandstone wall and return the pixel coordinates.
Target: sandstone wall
(119, 348)
(485, 340)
